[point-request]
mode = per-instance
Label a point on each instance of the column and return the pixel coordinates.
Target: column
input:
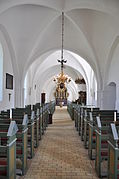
(117, 98)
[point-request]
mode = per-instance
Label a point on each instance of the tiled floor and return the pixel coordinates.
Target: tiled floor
(61, 154)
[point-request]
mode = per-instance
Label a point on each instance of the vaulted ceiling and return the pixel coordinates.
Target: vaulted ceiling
(32, 29)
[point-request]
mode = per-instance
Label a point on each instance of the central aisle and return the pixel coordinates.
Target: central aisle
(61, 153)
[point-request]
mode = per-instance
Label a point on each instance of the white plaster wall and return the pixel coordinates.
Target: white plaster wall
(114, 67)
(113, 74)
(109, 97)
(7, 68)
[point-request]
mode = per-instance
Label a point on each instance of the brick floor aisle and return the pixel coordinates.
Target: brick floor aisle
(61, 154)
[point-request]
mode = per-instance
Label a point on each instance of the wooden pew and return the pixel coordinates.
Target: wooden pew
(21, 152)
(45, 116)
(71, 107)
(82, 114)
(92, 135)
(40, 123)
(106, 115)
(8, 150)
(42, 119)
(84, 111)
(18, 114)
(33, 131)
(37, 134)
(52, 107)
(38, 113)
(4, 114)
(113, 152)
(78, 120)
(37, 130)
(21, 143)
(86, 124)
(76, 116)
(45, 108)
(102, 136)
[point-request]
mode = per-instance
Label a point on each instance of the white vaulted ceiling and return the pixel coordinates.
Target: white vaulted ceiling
(32, 29)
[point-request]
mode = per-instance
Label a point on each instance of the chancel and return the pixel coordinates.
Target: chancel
(59, 89)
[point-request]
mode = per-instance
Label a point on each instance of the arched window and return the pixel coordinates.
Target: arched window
(1, 72)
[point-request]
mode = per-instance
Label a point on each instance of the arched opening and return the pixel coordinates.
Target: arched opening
(39, 78)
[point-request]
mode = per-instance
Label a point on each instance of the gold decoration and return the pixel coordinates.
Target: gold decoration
(80, 81)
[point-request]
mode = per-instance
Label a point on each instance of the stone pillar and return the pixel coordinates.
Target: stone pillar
(18, 95)
(100, 98)
(108, 98)
(117, 98)
(22, 97)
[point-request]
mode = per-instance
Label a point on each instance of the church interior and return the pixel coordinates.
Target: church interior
(59, 89)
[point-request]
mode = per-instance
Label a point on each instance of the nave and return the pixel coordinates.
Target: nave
(61, 153)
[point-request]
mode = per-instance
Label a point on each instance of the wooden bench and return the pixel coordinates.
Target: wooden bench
(44, 110)
(37, 132)
(70, 108)
(113, 152)
(18, 114)
(21, 151)
(102, 136)
(105, 115)
(8, 150)
(84, 111)
(86, 124)
(76, 116)
(21, 143)
(92, 135)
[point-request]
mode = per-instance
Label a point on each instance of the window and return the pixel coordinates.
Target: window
(1, 72)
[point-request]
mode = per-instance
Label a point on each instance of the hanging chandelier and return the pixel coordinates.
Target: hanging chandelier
(62, 78)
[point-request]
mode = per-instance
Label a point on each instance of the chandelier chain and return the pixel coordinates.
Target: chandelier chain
(61, 92)
(62, 53)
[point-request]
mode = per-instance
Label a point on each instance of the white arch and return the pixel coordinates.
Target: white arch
(48, 68)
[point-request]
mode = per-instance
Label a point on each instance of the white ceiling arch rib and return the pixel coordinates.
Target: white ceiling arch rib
(54, 70)
(53, 4)
(110, 55)
(49, 62)
(66, 5)
(111, 7)
(96, 50)
(52, 84)
(11, 50)
(39, 53)
(84, 19)
(83, 5)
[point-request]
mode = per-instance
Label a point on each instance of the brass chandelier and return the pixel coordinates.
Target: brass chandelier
(62, 78)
